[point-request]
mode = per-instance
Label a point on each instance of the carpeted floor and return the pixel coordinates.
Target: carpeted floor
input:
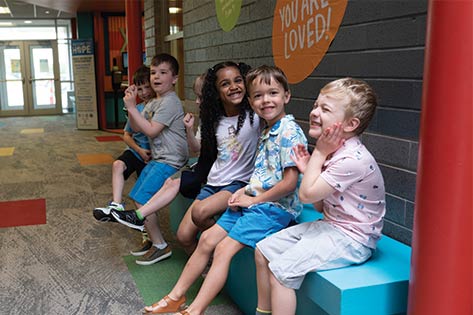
(62, 261)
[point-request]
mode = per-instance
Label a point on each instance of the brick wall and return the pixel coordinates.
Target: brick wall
(381, 42)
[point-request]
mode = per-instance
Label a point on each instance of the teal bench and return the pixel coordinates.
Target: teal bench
(377, 287)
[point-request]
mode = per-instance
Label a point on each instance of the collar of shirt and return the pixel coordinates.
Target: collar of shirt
(276, 128)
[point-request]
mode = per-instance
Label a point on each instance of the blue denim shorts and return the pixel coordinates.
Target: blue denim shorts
(208, 190)
(150, 181)
(250, 225)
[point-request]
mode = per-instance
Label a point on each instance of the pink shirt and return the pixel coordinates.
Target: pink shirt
(358, 205)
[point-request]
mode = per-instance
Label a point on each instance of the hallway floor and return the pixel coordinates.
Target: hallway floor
(66, 262)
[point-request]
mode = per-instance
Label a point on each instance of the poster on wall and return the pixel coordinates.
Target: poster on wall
(84, 83)
(228, 12)
(302, 33)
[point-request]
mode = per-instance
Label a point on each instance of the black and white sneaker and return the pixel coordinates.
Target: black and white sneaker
(104, 215)
(129, 218)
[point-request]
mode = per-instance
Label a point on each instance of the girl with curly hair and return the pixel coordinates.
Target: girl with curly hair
(229, 132)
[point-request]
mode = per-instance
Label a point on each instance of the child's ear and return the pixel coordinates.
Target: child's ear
(174, 79)
(287, 97)
(351, 124)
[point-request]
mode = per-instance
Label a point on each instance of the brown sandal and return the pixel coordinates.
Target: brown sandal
(170, 307)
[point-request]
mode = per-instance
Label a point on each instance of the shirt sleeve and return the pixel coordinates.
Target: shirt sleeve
(291, 137)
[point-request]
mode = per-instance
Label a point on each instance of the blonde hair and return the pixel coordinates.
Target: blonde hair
(199, 84)
(362, 99)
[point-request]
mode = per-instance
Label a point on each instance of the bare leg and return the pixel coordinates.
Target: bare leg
(162, 197)
(118, 181)
(152, 227)
(203, 213)
(197, 262)
(195, 265)
(217, 275)
(187, 231)
(200, 211)
(262, 280)
(283, 299)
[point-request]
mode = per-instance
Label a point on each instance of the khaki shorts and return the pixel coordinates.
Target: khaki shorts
(310, 246)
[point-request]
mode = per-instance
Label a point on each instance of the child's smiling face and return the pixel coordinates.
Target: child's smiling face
(326, 112)
(268, 100)
(231, 86)
(145, 92)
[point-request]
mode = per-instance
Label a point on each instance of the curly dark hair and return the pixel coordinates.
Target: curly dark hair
(212, 110)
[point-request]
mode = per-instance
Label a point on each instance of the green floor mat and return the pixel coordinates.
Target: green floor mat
(155, 281)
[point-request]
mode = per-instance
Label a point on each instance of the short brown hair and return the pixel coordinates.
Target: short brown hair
(141, 75)
(166, 58)
(265, 74)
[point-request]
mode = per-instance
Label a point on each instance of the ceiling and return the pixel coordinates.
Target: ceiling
(57, 9)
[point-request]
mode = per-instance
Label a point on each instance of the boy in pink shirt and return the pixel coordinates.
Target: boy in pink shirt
(343, 181)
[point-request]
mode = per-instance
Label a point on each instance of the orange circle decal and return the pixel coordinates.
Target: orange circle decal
(302, 33)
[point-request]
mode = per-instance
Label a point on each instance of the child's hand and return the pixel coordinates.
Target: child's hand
(130, 96)
(189, 120)
(240, 200)
(145, 155)
(301, 157)
(331, 139)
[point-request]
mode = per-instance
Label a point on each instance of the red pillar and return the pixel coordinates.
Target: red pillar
(100, 69)
(441, 277)
(133, 33)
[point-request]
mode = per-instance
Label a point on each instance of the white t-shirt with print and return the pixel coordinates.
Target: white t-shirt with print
(235, 157)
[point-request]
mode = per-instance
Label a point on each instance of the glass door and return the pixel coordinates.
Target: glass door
(29, 78)
(12, 79)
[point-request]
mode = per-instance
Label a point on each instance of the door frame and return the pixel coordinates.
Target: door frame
(27, 78)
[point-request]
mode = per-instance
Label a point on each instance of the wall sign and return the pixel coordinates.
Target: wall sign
(302, 33)
(228, 12)
(84, 83)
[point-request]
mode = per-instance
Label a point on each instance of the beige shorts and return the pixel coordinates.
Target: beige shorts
(310, 246)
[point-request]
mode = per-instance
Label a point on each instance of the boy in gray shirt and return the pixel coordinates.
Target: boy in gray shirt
(162, 121)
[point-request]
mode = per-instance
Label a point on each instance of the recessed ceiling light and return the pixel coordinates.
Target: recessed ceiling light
(174, 10)
(6, 24)
(5, 10)
(47, 12)
(28, 22)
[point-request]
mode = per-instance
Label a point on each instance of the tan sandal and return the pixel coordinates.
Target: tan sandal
(169, 307)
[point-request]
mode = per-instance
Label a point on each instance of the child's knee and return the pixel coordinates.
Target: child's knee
(185, 238)
(118, 166)
(207, 242)
(199, 214)
(259, 258)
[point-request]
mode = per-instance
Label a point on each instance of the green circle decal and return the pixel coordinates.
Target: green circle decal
(228, 12)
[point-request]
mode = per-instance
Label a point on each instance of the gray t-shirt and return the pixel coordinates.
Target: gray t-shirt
(170, 146)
